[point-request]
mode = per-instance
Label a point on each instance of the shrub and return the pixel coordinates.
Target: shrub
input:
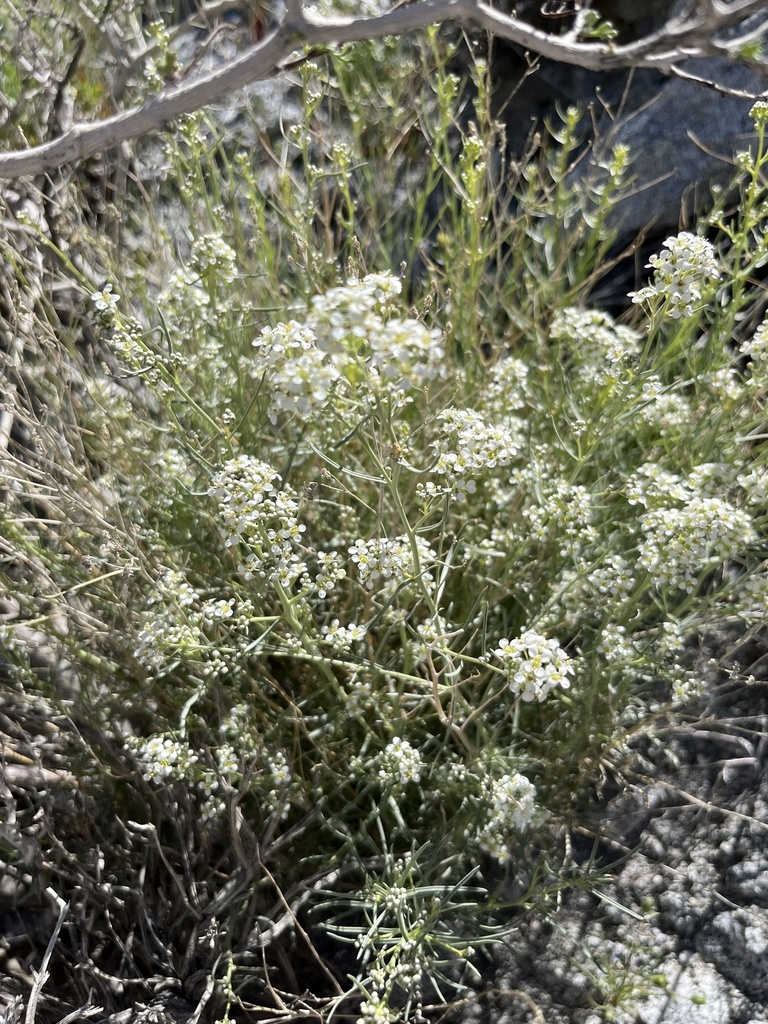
(358, 581)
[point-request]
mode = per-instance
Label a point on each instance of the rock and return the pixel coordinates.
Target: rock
(695, 994)
(682, 135)
(736, 944)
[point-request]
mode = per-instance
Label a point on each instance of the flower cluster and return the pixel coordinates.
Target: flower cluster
(127, 334)
(279, 781)
(173, 473)
(353, 309)
(228, 771)
(329, 572)
(174, 586)
(211, 252)
(164, 635)
(565, 510)
(400, 763)
(300, 375)
(756, 348)
(679, 542)
(185, 296)
(469, 445)
(752, 595)
(163, 758)
(105, 303)
(663, 408)
(429, 633)
(341, 638)
(601, 350)
(755, 485)
(394, 897)
(224, 771)
(248, 497)
(613, 580)
(509, 387)
(347, 334)
(651, 484)
(512, 807)
(176, 624)
(254, 510)
(376, 1011)
(390, 560)
(534, 665)
(711, 479)
(615, 646)
(405, 354)
(360, 697)
(683, 269)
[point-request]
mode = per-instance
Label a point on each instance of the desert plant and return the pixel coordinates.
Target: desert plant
(351, 599)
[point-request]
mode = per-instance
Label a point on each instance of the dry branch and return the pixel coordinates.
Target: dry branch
(695, 33)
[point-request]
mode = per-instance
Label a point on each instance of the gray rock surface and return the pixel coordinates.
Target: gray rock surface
(682, 136)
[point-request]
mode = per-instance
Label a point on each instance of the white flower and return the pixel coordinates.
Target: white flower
(330, 571)
(600, 349)
(613, 579)
(163, 758)
(680, 542)
(651, 484)
(254, 510)
(756, 348)
(509, 387)
(390, 560)
(303, 363)
(512, 808)
(568, 507)
(663, 408)
(228, 761)
(212, 252)
(682, 271)
(105, 302)
(615, 646)
(534, 665)
(347, 308)
(279, 777)
(711, 479)
(469, 445)
(400, 763)
(298, 374)
(218, 609)
(407, 354)
(341, 638)
(755, 484)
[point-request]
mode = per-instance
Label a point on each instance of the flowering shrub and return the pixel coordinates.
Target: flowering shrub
(355, 566)
(361, 609)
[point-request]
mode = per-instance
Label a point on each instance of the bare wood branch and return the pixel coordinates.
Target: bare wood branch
(710, 83)
(693, 35)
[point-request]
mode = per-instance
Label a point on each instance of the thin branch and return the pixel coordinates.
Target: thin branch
(710, 83)
(42, 974)
(690, 36)
(203, 17)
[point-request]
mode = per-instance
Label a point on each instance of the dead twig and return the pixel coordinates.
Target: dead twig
(42, 975)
